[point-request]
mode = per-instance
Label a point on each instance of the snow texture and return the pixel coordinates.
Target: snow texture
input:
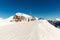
(33, 30)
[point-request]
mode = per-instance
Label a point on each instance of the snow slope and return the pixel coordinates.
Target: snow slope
(33, 30)
(19, 31)
(48, 31)
(20, 14)
(36, 30)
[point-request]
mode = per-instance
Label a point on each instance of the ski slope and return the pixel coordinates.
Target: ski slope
(36, 30)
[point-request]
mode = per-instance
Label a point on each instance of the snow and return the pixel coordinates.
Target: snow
(10, 18)
(36, 30)
(18, 31)
(48, 31)
(57, 19)
(22, 14)
(25, 15)
(33, 30)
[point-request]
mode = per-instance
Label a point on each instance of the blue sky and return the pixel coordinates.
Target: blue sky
(38, 8)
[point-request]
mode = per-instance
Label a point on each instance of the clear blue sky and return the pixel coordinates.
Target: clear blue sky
(39, 8)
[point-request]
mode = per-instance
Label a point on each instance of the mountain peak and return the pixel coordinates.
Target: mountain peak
(18, 13)
(22, 14)
(22, 17)
(57, 19)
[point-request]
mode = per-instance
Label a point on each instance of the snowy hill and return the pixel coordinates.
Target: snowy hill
(33, 30)
(21, 14)
(37, 30)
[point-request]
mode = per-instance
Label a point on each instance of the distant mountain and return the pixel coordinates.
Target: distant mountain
(57, 19)
(55, 22)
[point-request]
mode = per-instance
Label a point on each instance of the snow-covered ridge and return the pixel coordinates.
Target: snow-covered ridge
(9, 19)
(21, 14)
(33, 30)
(25, 15)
